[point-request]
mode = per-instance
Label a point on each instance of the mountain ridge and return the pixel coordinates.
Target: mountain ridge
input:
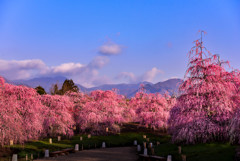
(129, 90)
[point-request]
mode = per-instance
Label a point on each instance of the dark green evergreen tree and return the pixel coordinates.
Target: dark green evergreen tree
(69, 85)
(40, 90)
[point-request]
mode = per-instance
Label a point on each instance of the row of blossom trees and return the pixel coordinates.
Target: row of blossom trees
(207, 108)
(20, 113)
(26, 115)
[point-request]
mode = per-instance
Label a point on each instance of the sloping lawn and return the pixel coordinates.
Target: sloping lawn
(199, 152)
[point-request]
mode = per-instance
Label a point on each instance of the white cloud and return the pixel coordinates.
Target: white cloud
(98, 62)
(110, 48)
(22, 69)
(151, 74)
(147, 76)
(84, 74)
(127, 75)
(89, 74)
(67, 68)
(22, 64)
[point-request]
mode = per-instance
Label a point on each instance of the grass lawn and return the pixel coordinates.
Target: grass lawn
(199, 152)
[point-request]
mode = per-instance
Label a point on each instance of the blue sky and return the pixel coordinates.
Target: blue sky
(113, 41)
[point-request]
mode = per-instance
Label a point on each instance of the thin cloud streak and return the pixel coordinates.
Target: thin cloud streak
(110, 48)
(147, 76)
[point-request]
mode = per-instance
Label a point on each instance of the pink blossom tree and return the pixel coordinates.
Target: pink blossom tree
(20, 113)
(99, 110)
(206, 104)
(234, 131)
(58, 117)
(10, 120)
(1, 82)
(152, 110)
(79, 101)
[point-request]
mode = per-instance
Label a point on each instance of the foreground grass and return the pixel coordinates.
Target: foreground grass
(37, 148)
(199, 152)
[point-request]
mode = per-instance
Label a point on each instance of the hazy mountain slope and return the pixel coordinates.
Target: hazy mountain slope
(129, 90)
(123, 89)
(170, 85)
(45, 82)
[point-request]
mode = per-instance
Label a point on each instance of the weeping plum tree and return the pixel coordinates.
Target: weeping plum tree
(79, 100)
(58, 118)
(99, 110)
(9, 130)
(20, 113)
(152, 110)
(235, 128)
(234, 131)
(207, 101)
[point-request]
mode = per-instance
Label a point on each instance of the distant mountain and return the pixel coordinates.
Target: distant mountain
(45, 82)
(123, 89)
(7, 81)
(170, 86)
(129, 90)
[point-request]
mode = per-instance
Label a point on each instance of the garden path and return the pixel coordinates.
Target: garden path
(106, 154)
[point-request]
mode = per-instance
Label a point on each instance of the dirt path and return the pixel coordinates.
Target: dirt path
(108, 154)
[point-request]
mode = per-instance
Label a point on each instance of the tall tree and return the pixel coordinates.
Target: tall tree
(40, 90)
(58, 119)
(69, 85)
(20, 113)
(206, 104)
(152, 110)
(54, 89)
(100, 109)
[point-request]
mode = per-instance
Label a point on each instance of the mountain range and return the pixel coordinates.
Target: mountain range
(129, 90)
